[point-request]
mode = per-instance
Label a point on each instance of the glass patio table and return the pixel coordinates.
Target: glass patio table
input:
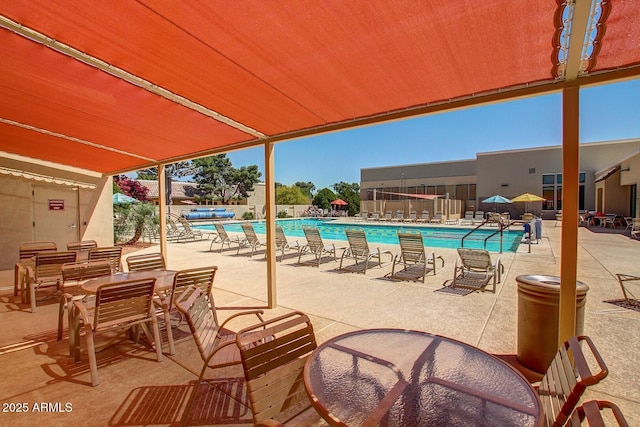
(408, 378)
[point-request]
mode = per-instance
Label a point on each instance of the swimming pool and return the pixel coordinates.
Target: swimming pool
(438, 237)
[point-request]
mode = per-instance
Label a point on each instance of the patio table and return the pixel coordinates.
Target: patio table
(164, 280)
(410, 378)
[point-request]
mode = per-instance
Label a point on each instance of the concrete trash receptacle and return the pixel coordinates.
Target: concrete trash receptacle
(538, 318)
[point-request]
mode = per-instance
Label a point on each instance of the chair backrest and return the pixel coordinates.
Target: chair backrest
(30, 249)
(249, 233)
(80, 271)
(146, 262)
(130, 301)
(173, 227)
(479, 215)
(221, 231)
(568, 375)
(468, 215)
(273, 356)
(411, 246)
(201, 316)
(200, 277)
(592, 410)
(314, 240)
(82, 245)
(475, 259)
(113, 255)
(48, 265)
(357, 241)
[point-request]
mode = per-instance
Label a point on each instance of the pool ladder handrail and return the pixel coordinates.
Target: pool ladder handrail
(501, 228)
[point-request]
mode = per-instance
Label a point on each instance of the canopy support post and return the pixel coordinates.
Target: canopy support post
(270, 225)
(162, 205)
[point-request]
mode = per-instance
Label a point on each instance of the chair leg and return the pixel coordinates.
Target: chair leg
(167, 322)
(61, 309)
(91, 351)
(32, 295)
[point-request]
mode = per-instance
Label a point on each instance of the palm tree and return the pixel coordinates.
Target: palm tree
(138, 217)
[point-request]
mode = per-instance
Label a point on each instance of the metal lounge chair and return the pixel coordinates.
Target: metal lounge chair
(468, 218)
(46, 272)
(424, 217)
(216, 345)
(316, 246)
(188, 233)
(359, 249)
(117, 306)
(27, 254)
(478, 217)
(282, 244)
(273, 355)
(224, 239)
(437, 219)
(474, 270)
(567, 377)
(251, 238)
(411, 218)
(413, 257)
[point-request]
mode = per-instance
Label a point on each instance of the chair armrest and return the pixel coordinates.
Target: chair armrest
(268, 423)
(82, 309)
(258, 314)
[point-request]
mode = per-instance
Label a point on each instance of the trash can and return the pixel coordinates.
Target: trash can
(538, 318)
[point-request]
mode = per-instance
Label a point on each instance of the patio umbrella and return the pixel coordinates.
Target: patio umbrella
(496, 199)
(121, 199)
(527, 198)
(339, 202)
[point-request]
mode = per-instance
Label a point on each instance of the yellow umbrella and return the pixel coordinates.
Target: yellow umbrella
(528, 197)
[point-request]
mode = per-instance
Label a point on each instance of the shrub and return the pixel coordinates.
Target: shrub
(248, 216)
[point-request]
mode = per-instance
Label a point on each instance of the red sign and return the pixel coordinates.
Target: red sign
(56, 204)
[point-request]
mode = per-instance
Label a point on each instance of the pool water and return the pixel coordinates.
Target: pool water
(438, 237)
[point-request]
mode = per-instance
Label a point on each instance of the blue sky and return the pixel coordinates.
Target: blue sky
(608, 112)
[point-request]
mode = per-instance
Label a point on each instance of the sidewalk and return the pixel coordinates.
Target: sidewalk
(337, 302)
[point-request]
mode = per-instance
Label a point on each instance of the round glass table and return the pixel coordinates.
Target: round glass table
(395, 377)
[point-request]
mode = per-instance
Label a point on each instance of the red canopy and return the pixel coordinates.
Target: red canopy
(339, 202)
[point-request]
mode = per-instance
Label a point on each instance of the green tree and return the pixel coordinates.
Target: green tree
(324, 198)
(216, 177)
(307, 188)
(135, 218)
(290, 196)
(350, 193)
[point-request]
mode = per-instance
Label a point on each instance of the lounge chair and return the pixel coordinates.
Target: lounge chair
(273, 355)
(416, 263)
(117, 306)
(359, 249)
(173, 231)
(316, 246)
(251, 238)
(224, 239)
(46, 272)
(27, 253)
(437, 219)
(215, 343)
(478, 217)
(362, 216)
(567, 377)
(283, 244)
(188, 233)
(424, 217)
(387, 216)
(468, 218)
(474, 270)
(411, 218)
(398, 217)
(375, 216)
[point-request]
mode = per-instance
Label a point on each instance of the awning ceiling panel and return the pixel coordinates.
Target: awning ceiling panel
(277, 68)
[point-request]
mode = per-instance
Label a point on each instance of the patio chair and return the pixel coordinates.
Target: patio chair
(592, 410)
(315, 245)
(416, 263)
(362, 216)
(146, 262)
(117, 306)
(628, 224)
(273, 355)
(173, 231)
(73, 274)
(27, 253)
(82, 245)
(46, 272)
(359, 249)
(375, 216)
(113, 255)
(437, 219)
(216, 345)
(558, 219)
(424, 217)
(567, 377)
(398, 217)
(224, 239)
(251, 238)
(474, 270)
(283, 244)
(478, 216)
(387, 216)
(468, 218)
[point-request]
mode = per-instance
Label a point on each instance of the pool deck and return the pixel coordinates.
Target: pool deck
(136, 390)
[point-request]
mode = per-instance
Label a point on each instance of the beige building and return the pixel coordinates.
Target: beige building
(609, 173)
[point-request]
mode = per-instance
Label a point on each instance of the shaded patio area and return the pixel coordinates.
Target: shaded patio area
(137, 390)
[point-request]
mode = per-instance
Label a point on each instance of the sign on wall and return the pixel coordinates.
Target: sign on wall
(56, 204)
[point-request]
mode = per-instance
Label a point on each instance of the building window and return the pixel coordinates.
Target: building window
(552, 191)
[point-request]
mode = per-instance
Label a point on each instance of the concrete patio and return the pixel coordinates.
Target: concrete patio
(39, 377)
